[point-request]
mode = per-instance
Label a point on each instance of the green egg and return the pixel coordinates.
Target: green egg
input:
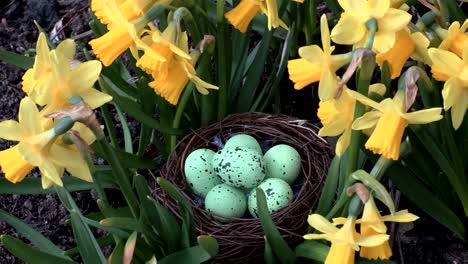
(239, 167)
(278, 195)
(199, 172)
(224, 202)
(245, 141)
(282, 162)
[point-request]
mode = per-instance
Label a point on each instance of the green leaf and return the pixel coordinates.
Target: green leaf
(134, 109)
(28, 254)
(113, 230)
(329, 189)
(89, 248)
(20, 61)
(102, 241)
(188, 226)
(193, 255)
(166, 225)
(418, 193)
(36, 238)
(129, 248)
(379, 191)
(312, 250)
(116, 256)
(209, 244)
(128, 160)
(126, 223)
(279, 246)
(34, 186)
(269, 256)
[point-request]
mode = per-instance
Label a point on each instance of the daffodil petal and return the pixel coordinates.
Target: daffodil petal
(325, 32)
(343, 142)
(348, 30)
(327, 85)
(51, 172)
(446, 62)
(317, 236)
(458, 111)
(424, 116)
(394, 20)
(312, 53)
(11, 130)
(372, 241)
(357, 8)
(321, 224)
(71, 161)
(335, 127)
(85, 75)
(95, 98)
(340, 220)
(364, 100)
(378, 8)
(384, 41)
(368, 120)
(28, 116)
(67, 48)
(378, 88)
(402, 216)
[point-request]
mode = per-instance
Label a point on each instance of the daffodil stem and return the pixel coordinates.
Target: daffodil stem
(371, 25)
(180, 110)
(120, 176)
(183, 13)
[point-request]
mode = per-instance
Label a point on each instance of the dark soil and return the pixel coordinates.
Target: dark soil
(423, 242)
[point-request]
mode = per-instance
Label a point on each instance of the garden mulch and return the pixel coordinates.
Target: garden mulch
(425, 241)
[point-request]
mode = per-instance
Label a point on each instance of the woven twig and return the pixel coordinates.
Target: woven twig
(242, 241)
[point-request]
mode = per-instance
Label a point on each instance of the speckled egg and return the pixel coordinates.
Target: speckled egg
(239, 167)
(225, 201)
(199, 171)
(278, 195)
(245, 141)
(282, 162)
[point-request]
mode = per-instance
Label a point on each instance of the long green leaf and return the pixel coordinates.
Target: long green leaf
(416, 191)
(193, 255)
(33, 186)
(329, 189)
(129, 160)
(89, 248)
(279, 246)
(116, 256)
(112, 230)
(269, 256)
(166, 225)
(312, 250)
(36, 238)
(20, 61)
(29, 254)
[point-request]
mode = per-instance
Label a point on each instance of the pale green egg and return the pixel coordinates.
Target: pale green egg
(282, 162)
(239, 167)
(225, 201)
(199, 172)
(278, 195)
(245, 141)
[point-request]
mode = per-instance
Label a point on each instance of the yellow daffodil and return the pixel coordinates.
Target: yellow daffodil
(172, 74)
(122, 32)
(67, 82)
(36, 148)
(351, 28)
(40, 75)
(336, 116)
(450, 68)
(372, 223)
(455, 38)
(162, 51)
(390, 121)
(318, 64)
(344, 241)
(241, 15)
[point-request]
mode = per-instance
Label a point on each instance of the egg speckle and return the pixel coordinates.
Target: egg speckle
(283, 162)
(245, 141)
(278, 195)
(239, 167)
(199, 172)
(225, 201)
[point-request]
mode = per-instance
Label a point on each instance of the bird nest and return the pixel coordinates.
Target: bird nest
(242, 240)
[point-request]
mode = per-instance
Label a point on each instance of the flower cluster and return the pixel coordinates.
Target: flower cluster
(50, 83)
(166, 54)
(372, 241)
